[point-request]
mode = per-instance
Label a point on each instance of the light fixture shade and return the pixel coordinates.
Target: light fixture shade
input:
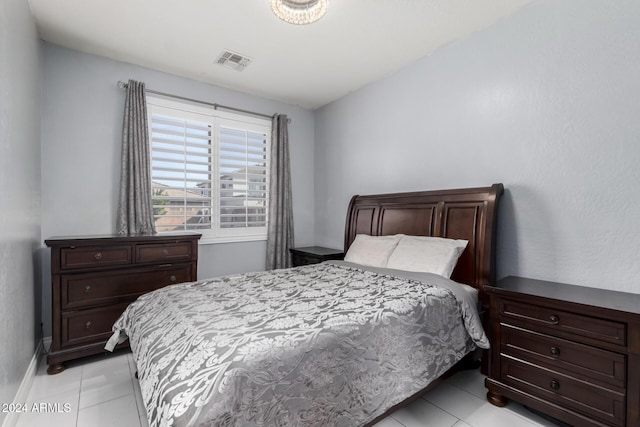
(299, 11)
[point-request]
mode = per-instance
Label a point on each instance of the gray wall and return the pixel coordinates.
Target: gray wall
(20, 93)
(547, 102)
(82, 122)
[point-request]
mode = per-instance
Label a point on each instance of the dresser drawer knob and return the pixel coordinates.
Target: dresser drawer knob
(555, 385)
(98, 255)
(172, 278)
(555, 351)
(554, 319)
(88, 325)
(165, 251)
(87, 288)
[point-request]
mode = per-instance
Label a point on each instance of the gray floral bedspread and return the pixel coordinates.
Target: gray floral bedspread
(329, 344)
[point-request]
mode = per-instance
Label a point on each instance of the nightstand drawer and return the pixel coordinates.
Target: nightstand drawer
(90, 289)
(94, 256)
(605, 367)
(562, 323)
(599, 403)
(165, 252)
(314, 255)
(302, 259)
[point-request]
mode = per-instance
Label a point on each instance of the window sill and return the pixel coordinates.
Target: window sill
(208, 240)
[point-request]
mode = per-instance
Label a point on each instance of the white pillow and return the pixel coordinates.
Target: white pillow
(427, 254)
(372, 251)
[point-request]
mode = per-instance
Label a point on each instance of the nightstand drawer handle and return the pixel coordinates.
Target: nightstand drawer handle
(87, 289)
(98, 255)
(555, 351)
(165, 251)
(88, 325)
(554, 319)
(172, 278)
(555, 385)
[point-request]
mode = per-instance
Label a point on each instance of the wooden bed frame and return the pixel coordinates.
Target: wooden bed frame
(467, 213)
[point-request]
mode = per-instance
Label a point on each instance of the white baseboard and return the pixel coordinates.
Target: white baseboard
(25, 386)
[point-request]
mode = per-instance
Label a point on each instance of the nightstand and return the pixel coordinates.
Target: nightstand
(568, 351)
(314, 255)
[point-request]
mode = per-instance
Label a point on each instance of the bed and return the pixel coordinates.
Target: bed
(338, 343)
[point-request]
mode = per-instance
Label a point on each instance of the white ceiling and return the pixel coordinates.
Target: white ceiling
(355, 43)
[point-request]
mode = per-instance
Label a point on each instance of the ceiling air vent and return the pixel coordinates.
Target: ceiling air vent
(233, 60)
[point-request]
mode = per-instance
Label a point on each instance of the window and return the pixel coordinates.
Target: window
(208, 171)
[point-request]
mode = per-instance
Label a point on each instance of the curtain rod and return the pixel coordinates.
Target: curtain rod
(123, 85)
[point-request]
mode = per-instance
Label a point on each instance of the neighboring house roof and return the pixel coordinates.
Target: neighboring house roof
(177, 193)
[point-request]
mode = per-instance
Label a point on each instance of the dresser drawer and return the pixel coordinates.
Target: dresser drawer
(165, 252)
(94, 256)
(91, 289)
(89, 326)
(597, 402)
(606, 367)
(562, 323)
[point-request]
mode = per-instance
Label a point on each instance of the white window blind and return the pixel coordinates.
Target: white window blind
(243, 178)
(208, 171)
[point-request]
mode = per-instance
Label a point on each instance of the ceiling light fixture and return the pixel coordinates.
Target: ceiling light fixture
(299, 12)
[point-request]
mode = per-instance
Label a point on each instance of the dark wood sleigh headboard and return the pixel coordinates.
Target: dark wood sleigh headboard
(467, 213)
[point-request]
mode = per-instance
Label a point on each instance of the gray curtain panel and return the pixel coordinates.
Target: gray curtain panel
(280, 224)
(135, 208)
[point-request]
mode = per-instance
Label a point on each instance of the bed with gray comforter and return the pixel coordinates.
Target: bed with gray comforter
(332, 344)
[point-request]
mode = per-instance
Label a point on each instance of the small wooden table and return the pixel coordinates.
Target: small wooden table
(569, 351)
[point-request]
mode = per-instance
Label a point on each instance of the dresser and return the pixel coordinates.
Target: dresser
(568, 351)
(314, 255)
(94, 278)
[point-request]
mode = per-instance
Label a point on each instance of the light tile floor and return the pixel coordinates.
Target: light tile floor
(102, 391)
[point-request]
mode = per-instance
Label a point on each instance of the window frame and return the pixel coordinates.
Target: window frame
(217, 119)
